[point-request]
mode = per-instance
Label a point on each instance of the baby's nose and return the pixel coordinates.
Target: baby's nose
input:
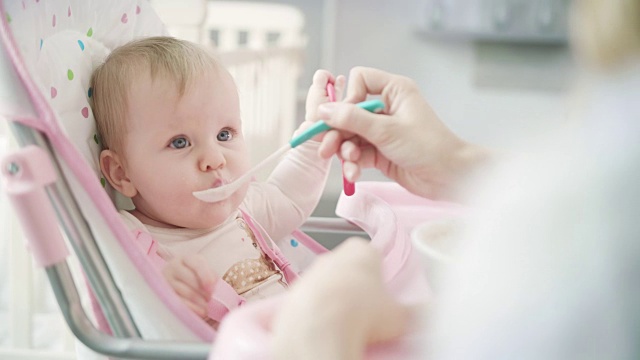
(212, 159)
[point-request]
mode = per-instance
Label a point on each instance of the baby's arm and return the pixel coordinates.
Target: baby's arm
(294, 188)
(191, 278)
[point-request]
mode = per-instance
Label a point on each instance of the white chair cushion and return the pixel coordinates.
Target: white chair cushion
(62, 42)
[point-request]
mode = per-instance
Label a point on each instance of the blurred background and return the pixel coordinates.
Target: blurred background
(498, 72)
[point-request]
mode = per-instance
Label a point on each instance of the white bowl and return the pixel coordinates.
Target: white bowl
(435, 242)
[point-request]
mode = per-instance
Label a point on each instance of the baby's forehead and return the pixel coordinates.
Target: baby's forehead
(181, 81)
(212, 91)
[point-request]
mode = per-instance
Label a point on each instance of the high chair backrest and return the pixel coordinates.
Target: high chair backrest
(14, 99)
(52, 48)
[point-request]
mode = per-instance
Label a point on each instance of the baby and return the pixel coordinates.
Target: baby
(169, 122)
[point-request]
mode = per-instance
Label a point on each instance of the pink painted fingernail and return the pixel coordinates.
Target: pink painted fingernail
(349, 173)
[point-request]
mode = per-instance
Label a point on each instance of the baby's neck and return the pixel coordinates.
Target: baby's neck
(150, 221)
(147, 220)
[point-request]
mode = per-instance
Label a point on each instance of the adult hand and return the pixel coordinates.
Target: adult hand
(338, 307)
(407, 142)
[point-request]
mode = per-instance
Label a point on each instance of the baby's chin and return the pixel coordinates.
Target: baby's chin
(211, 219)
(214, 215)
(203, 222)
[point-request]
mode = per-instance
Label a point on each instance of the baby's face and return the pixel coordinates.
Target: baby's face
(177, 145)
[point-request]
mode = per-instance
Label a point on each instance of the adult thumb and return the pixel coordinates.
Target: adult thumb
(349, 117)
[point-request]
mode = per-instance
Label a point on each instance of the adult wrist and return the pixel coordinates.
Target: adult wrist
(467, 160)
(471, 157)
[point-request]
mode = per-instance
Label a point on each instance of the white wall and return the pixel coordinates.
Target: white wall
(384, 34)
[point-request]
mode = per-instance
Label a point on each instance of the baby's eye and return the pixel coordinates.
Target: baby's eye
(225, 135)
(179, 143)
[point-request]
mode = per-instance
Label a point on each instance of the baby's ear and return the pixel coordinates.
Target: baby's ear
(113, 170)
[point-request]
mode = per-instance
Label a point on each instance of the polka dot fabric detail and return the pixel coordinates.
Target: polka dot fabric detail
(62, 42)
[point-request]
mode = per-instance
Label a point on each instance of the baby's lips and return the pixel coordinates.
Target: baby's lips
(218, 183)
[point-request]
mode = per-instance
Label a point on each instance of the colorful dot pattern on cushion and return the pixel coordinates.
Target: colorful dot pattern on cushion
(85, 112)
(71, 38)
(294, 243)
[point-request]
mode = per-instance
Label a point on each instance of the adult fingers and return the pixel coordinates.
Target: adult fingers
(351, 171)
(365, 81)
(366, 156)
(350, 154)
(339, 86)
(394, 89)
(375, 128)
(330, 144)
(334, 140)
(350, 151)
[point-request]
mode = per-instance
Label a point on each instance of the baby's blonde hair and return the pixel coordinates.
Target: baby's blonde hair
(179, 60)
(607, 32)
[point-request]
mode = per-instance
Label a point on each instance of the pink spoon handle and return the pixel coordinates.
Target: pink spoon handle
(348, 187)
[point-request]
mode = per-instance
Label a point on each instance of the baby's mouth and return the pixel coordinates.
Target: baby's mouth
(218, 183)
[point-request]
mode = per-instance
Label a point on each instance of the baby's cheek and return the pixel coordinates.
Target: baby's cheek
(239, 195)
(243, 166)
